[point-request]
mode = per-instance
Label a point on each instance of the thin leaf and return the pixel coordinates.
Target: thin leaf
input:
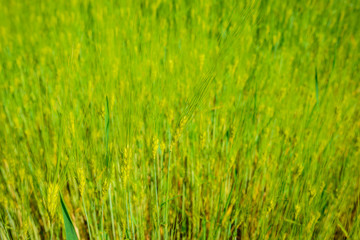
(107, 123)
(69, 227)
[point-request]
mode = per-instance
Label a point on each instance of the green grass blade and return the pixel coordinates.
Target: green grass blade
(69, 227)
(107, 123)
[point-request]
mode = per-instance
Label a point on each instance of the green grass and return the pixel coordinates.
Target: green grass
(179, 119)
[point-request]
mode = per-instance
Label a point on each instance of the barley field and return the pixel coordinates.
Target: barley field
(186, 119)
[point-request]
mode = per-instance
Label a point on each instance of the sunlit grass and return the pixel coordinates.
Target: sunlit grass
(179, 119)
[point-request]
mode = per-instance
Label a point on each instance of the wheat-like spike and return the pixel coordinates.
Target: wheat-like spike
(81, 179)
(52, 199)
(105, 186)
(155, 147)
(125, 165)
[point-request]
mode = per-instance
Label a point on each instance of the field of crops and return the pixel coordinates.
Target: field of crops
(179, 119)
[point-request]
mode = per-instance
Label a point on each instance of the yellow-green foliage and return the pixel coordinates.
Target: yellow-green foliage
(228, 119)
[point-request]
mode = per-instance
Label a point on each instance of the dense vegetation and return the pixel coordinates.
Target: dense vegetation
(180, 119)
